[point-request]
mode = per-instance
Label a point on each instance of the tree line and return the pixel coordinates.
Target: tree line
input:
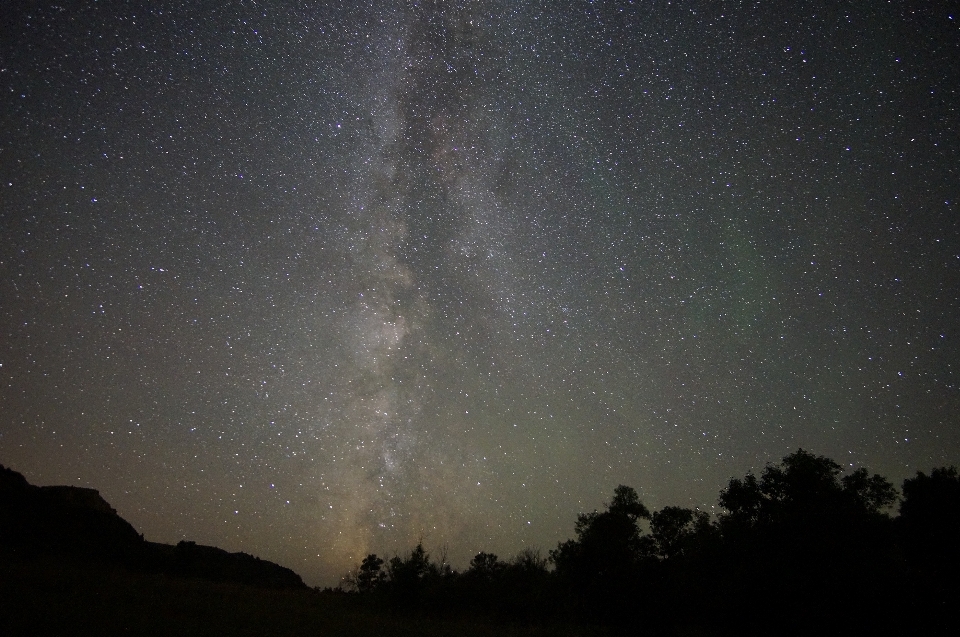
(801, 548)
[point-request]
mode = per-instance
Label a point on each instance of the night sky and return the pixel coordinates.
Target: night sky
(313, 280)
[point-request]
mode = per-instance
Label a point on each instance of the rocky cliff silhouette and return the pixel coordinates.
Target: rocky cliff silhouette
(76, 522)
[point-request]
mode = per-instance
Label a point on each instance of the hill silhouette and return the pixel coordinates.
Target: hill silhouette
(77, 523)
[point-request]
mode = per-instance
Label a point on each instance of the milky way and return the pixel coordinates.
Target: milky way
(317, 281)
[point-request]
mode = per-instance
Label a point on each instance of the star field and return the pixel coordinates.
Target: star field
(315, 281)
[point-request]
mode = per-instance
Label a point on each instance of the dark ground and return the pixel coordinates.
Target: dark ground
(45, 596)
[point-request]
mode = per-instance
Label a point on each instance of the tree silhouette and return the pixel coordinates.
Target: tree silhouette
(606, 541)
(674, 530)
(600, 568)
(816, 540)
(406, 575)
(370, 575)
(486, 566)
(931, 505)
(529, 560)
(929, 527)
(804, 484)
(872, 494)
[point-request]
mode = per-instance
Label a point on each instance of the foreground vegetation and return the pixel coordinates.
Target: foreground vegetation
(800, 549)
(48, 595)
